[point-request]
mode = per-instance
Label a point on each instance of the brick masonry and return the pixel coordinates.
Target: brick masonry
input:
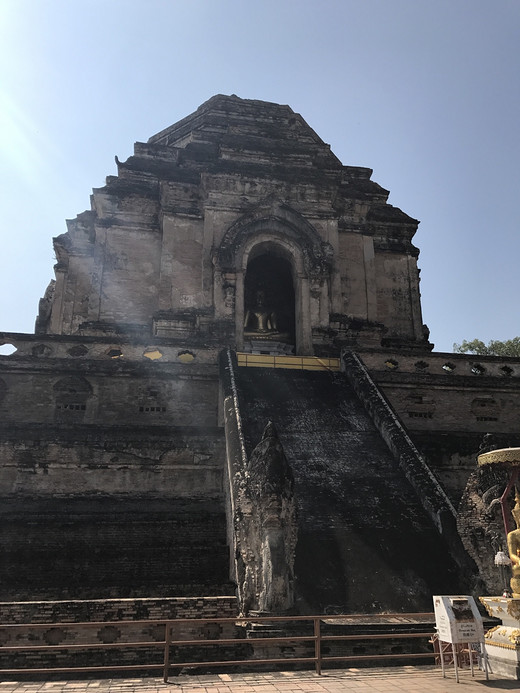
(65, 614)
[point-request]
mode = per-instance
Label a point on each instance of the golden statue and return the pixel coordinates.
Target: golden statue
(260, 318)
(513, 544)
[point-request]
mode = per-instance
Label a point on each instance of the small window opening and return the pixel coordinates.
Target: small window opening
(421, 365)
(54, 636)
(40, 350)
(185, 356)
(485, 409)
(477, 369)
(7, 349)
(506, 370)
(359, 649)
(78, 350)
(420, 414)
(152, 354)
(114, 353)
(391, 364)
(71, 407)
(448, 367)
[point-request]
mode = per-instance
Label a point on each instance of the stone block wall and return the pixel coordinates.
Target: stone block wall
(185, 466)
(111, 470)
(97, 610)
(127, 388)
(63, 548)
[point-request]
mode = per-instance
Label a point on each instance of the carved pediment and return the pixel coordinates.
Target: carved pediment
(273, 217)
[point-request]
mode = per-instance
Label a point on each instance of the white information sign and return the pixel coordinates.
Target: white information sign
(457, 619)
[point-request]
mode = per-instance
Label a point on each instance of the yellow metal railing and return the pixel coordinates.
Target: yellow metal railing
(302, 363)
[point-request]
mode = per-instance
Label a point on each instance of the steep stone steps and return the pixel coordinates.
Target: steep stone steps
(365, 542)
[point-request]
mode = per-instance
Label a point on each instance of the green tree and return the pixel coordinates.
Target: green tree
(509, 347)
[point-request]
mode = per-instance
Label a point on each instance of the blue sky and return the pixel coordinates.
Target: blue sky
(424, 92)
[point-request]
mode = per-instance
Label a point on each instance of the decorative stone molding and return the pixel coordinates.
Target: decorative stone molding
(277, 220)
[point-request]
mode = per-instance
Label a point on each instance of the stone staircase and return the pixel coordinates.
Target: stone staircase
(366, 540)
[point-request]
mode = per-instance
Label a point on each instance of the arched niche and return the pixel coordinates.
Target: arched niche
(281, 232)
(73, 385)
(272, 252)
(269, 300)
(71, 396)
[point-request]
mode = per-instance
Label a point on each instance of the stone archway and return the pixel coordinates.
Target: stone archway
(290, 257)
(281, 232)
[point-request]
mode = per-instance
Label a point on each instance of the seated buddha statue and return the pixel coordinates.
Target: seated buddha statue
(259, 318)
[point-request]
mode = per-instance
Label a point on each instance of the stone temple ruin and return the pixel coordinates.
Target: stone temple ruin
(231, 391)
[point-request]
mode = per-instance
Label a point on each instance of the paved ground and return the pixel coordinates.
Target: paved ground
(389, 680)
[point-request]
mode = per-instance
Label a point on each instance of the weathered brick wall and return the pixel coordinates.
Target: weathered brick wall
(66, 613)
(179, 463)
(111, 471)
(396, 293)
(453, 456)
(449, 392)
(102, 547)
(72, 392)
(72, 611)
(457, 406)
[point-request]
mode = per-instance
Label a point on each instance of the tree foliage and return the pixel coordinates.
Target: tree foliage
(509, 347)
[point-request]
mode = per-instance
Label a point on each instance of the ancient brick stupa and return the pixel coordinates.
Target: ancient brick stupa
(235, 272)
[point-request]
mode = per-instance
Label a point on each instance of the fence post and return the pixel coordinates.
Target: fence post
(317, 645)
(167, 642)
